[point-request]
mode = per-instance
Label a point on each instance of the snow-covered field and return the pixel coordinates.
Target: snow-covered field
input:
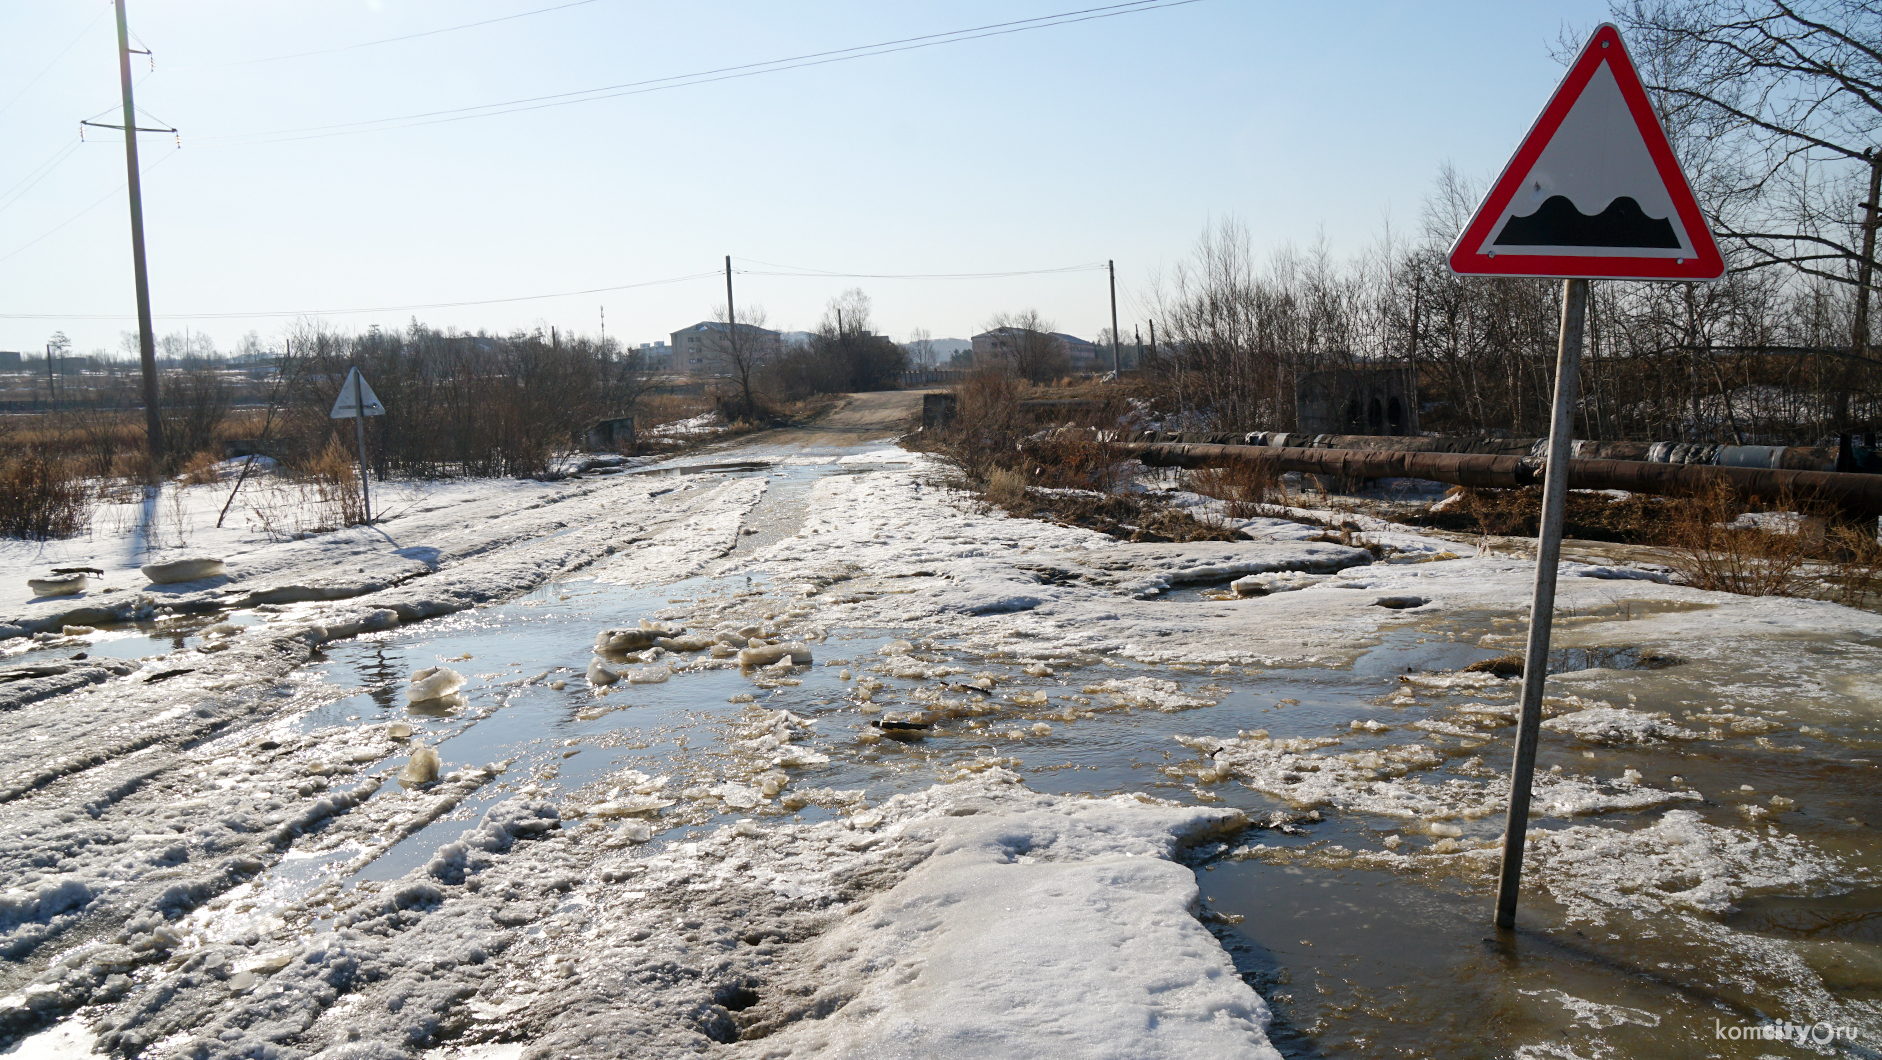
(1128, 774)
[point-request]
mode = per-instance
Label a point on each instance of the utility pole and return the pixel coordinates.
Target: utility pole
(52, 396)
(731, 316)
(1117, 367)
(146, 338)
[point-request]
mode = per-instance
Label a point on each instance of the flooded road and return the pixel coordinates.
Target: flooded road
(1704, 856)
(1369, 934)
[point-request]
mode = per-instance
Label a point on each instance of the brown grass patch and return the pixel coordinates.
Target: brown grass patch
(1247, 489)
(42, 499)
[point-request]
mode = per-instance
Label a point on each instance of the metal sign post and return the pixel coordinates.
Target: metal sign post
(357, 401)
(1593, 192)
(1542, 601)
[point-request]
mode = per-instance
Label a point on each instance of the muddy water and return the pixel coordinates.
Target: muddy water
(1357, 960)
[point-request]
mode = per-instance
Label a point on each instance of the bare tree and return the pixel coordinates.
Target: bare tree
(1786, 98)
(739, 349)
(1023, 343)
(920, 347)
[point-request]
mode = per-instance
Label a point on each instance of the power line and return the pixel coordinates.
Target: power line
(727, 73)
(38, 173)
(800, 272)
(794, 270)
(395, 40)
(54, 62)
(371, 309)
(86, 210)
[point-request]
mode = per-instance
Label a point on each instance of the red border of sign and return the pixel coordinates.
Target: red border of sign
(1706, 264)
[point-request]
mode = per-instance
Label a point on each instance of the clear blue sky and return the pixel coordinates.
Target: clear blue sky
(1115, 137)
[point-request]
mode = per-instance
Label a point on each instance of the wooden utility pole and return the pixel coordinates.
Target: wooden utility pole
(146, 337)
(731, 317)
(52, 395)
(1117, 366)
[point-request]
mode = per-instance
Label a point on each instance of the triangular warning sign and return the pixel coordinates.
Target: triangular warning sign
(345, 408)
(1594, 191)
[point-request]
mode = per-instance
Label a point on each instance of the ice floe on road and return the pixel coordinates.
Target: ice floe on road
(978, 916)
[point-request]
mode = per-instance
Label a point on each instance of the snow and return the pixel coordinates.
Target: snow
(1609, 725)
(1038, 926)
(702, 424)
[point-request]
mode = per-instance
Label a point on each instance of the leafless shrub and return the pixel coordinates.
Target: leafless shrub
(1246, 488)
(195, 406)
(42, 499)
(1713, 551)
(333, 478)
(988, 425)
(1854, 564)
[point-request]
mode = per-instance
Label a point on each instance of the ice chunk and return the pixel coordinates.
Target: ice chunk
(434, 682)
(183, 570)
(624, 640)
(600, 674)
(1611, 725)
(399, 730)
(1274, 582)
(57, 585)
(737, 796)
(629, 806)
(797, 651)
(647, 675)
(422, 768)
(690, 643)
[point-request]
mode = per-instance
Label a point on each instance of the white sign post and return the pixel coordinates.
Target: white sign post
(1594, 192)
(356, 402)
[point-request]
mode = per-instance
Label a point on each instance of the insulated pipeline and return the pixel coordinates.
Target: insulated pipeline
(1853, 493)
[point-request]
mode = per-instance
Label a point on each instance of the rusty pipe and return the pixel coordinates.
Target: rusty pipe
(1852, 493)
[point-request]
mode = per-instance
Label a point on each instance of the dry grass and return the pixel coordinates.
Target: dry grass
(42, 499)
(1246, 489)
(1854, 562)
(200, 469)
(1638, 520)
(334, 478)
(1712, 553)
(655, 410)
(1822, 554)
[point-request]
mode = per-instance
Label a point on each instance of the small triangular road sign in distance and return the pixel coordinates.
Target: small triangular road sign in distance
(345, 409)
(1594, 192)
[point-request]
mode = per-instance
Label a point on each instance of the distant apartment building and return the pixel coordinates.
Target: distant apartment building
(701, 348)
(10, 361)
(1085, 356)
(655, 357)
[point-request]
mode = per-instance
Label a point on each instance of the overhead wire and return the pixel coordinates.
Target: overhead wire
(712, 274)
(727, 73)
(55, 61)
(393, 40)
(795, 270)
(39, 173)
(101, 200)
